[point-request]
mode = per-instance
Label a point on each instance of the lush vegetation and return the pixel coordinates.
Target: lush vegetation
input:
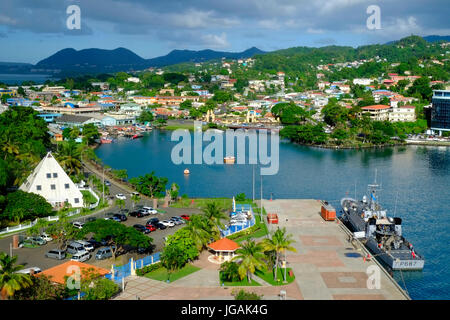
(10, 280)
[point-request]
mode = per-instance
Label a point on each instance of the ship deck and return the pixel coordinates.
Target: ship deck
(326, 265)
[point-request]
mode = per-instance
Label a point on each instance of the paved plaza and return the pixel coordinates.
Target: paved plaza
(326, 266)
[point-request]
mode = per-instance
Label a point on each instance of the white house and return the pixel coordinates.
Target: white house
(50, 181)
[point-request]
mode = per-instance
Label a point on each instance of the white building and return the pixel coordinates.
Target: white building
(51, 182)
(133, 79)
(403, 114)
(362, 81)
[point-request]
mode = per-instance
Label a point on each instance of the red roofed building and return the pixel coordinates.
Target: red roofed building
(224, 249)
(59, 273)
(377, 112)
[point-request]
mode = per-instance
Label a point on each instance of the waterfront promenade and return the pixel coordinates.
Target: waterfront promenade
(326, 266)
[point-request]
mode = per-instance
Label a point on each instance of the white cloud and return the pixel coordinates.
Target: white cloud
(215, 41)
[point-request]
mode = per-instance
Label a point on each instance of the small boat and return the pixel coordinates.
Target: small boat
(186, 171)
(229, 160)
(106, 140)
(137, 136)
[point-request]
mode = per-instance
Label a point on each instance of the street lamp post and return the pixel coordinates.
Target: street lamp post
(103, 184)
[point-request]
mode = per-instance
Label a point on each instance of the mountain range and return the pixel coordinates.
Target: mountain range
(94, 61)
(70, 61)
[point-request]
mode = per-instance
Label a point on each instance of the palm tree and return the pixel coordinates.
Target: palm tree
(9, 147)
(69, 158)
(199, 230)
(10, 281)
(279, 242)
(250, 257)
(120, 203)
(214, 213)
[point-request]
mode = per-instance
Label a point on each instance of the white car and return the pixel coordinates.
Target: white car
(168, 223)
(46, 237)
(150, 210)
(121, 196)
(30, 270)
(89, 247)
(78, 224)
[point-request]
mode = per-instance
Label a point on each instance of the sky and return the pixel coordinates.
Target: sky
(31, 30)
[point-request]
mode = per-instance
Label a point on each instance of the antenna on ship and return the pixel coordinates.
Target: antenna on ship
(395, 208)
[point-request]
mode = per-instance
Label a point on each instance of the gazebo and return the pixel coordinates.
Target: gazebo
(223, 250)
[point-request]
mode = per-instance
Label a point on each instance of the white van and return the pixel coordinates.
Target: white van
(75, 247)
(81, 256)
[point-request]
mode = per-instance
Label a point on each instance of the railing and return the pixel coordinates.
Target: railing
(239, 227)
(32, 223)
(124, 271)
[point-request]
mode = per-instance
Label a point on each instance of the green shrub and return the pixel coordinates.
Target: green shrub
(149, 268)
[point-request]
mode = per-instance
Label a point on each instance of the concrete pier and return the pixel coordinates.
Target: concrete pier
(327, 266)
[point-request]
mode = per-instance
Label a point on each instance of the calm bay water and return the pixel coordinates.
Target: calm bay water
(415, 185)
(12, 78)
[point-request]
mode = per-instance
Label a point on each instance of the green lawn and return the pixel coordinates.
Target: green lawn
(161, 273)
(268, 276)
(243, 283)
(200, 202)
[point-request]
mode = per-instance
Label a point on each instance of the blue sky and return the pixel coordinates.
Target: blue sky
(31, 30)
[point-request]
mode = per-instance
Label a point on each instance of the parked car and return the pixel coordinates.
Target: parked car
(168, 223)
(136, 194)
(88, 246)
(35, 241)
(46, 237)
(78, 224)
(106, 240)
(160, 226)
(30, 270)
(114, 218)
(150, 210)
(153, 221)
(94, 243)
(137, 213)
(121, 196)
(141, 228)
(150, 227)
(176, 221)
(75, 247)
(104, 253)
(121, 216)
(56, 254)
(81, 256)
(185, 217)
(144, 212)
(179, 219)
(141, 250)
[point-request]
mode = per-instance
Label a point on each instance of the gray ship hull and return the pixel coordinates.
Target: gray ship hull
(399, 260)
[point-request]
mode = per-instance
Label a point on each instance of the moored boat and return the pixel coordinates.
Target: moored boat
(381, 234)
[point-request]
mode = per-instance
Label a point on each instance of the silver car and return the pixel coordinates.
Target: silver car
(56, 254)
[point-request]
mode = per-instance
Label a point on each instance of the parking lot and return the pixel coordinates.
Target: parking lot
(35, 257)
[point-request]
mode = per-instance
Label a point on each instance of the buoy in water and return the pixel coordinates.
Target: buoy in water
(186, 171)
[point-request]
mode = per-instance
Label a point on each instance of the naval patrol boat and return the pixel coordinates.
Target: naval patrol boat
(381, 234)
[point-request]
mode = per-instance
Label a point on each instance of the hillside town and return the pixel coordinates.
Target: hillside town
(70, 198)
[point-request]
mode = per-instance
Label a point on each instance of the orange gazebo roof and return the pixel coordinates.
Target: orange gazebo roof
(224, 244)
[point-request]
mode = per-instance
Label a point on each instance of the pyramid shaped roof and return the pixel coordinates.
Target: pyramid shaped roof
(50, 180)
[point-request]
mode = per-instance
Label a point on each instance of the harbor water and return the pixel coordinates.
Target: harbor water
(415, 184)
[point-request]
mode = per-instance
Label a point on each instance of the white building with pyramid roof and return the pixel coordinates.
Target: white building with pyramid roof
(50, 181)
